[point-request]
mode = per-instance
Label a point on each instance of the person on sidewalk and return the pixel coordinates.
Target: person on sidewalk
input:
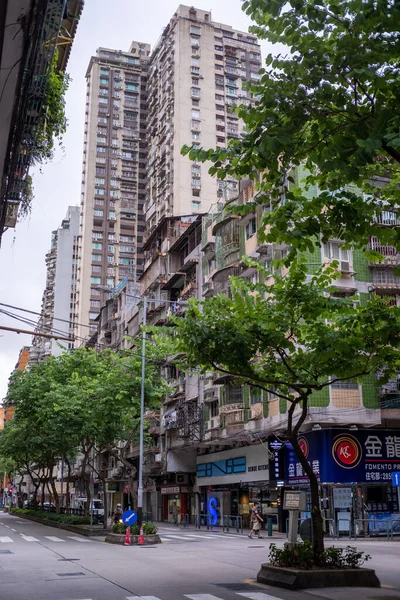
(255, 521)
(175, 514)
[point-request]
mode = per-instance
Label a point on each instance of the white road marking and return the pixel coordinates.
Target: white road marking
(13, 529)
(78, 539)
(28, 538)
(164, 539)
(202, 537)
(5, 540)
(202, 597)
(8, 527)
(53, 538)
(142, 598)
(257, 596)
(178, 537)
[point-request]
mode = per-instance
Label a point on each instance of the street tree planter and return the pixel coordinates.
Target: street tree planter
(296, 579)
(118, 538)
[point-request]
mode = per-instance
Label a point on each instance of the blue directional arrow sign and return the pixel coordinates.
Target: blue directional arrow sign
(396, 479)
(129, 517)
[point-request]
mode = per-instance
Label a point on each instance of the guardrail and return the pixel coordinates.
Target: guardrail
(234, 521)
(368, 528)
(184, 520)
(203, 520)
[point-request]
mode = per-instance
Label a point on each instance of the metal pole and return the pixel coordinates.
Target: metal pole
(140, 483)
(62, 482)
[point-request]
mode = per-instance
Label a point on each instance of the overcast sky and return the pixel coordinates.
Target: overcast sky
(112, 24)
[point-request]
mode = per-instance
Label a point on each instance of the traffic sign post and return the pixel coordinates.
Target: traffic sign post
(129, 517)
(396, 483)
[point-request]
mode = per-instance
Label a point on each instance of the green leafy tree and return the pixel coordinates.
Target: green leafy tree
(331, 103)
(292, 339)
(82, 402)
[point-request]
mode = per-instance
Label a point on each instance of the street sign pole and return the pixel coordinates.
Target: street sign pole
(140, 482)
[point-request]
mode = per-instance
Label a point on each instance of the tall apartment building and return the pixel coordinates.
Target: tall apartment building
(113, 176)
(59, 296)
(196, 78)
(141, 109)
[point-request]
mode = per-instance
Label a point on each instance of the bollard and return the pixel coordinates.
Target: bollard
(269, 526)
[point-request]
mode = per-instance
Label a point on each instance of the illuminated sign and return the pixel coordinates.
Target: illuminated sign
(212, 511)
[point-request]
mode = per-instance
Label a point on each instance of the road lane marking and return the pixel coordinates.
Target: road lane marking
(28, 538)
(208, 537)
(78, 539)
(178, 537)
(257, 596)
(202, 597)
(53, 538)
(142, 598)
(5, 540)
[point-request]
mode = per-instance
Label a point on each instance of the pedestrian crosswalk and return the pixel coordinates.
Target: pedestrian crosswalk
(199, 596)
(190, 536)
(43, 539)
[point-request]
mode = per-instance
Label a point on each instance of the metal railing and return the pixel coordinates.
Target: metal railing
(203, 520)
(232, 521)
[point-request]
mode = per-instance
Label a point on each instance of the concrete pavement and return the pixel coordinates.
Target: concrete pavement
(47, 563)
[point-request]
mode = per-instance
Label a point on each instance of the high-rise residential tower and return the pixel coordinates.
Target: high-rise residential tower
(113, 176)
(139, 193)
(59, 296)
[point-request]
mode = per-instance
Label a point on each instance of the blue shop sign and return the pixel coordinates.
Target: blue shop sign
(339, 456)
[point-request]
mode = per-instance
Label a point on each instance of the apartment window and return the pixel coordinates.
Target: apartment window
(114, 193)
(95, 280)
(100, 171)
(95, 303)
(195, 30)
(195, 205)
(219, 57)
(195, 171)
(195, 114)
(110, 259)
(195, 102)
(195, 70)
(116, 102)
(100, 149)
(127, 249)
(126, 238)
(220, 140)
(103, 81)
(196, 146)
(113, 182)
(102, 120)
(195, 91)
(103, 100)
(96, 257)
(231, 91)
(195, 61)
(98, 213)
(100, 180)
(99, 191)
(220, 107)
(104, 71)
(132, 60)
(196, 181)
(93, 315)
(255, 395)
(220, 49)
(349, 384)
(111, 249)
(196, 193)
(125, 261)
(194, 41)
(220, 128)
(96, 246)
(195, 81)
(111, 215)
(96, 269)
(250, 229)
(110, 281)
(97, 235)
(255, 76)
(101, 140)
(131, 86)
(334, 251)
(195, 135)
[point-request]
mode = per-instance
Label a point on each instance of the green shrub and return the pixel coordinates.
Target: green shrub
(119, 528)
(149, 529)
(48, 516)
(135, 529)
(301, 556)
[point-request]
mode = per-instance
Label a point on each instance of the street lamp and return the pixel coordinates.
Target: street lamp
(145, 300)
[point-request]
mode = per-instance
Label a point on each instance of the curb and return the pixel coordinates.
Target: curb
(73, 528)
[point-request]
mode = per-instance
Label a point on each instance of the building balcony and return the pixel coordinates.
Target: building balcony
(389, 253)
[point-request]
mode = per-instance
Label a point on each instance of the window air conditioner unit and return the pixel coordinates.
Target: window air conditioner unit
(345, 266)
(214, 423)
(181, 478)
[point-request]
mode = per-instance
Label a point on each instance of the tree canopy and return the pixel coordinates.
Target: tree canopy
(331, 103)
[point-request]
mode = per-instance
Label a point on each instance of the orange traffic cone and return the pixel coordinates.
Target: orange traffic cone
(141, 537)
(127, 540)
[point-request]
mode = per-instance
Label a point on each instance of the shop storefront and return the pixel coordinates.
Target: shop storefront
(355, 472)
(231, 481)
(175, 495)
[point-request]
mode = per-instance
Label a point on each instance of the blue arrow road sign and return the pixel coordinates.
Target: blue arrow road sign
(130, 517)
(395, 479)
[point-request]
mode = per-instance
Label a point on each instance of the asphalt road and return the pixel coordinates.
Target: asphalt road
(46, 563)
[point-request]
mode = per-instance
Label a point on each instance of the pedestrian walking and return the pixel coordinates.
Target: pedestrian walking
(175, 513)
(255, 521)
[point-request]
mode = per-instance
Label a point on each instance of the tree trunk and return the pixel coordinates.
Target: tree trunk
(103, 477)
(67, 495)
(316, 517)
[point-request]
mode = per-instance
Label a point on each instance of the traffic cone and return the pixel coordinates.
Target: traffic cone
(127, 540)
(141, 537)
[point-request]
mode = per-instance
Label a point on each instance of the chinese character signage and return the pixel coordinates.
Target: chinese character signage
(343, 457)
